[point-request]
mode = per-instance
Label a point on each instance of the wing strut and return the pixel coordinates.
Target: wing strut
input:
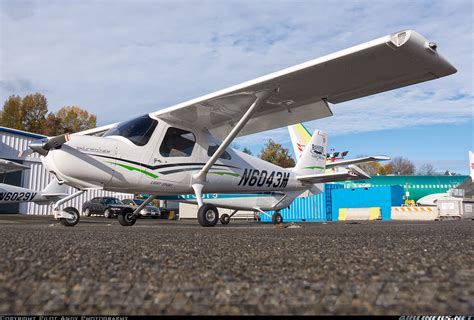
(200, 177)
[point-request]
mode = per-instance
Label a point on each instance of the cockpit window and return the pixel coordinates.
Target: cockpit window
(138, 130)
(177, 143)
(213, 148)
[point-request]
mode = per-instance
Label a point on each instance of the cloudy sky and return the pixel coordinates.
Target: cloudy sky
(120, 59)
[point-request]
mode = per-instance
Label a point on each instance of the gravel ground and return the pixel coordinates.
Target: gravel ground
(178, 267)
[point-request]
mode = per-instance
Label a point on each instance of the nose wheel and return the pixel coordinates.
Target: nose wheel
(72, 217)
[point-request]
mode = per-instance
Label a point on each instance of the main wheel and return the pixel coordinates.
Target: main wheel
(127, 218)
(107, 214)
(225, 218)
(208, 216)
(87, 212)
(277, 218)
(70, 222)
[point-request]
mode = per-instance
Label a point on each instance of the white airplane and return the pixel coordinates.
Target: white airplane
(431, 200)
(184, 149)
(13, 194)
(300, 137)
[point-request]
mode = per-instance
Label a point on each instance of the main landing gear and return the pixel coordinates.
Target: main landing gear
(208, 215)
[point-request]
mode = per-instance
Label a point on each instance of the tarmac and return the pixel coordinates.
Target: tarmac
(177, 267)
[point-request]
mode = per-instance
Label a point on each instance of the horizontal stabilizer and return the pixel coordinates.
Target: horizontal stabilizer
(352, 173)
(10, 166)
(355, 161)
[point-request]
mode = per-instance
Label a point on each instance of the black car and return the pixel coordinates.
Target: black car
(107, 206)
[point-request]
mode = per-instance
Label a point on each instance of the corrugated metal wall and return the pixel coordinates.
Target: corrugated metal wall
(37, 177)
(382, 197)
(312, 208)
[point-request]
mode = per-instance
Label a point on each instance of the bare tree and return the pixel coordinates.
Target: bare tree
(402, 166)
(426, 169)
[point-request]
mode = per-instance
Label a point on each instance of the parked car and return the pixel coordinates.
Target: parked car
(148, 211)
(107, 206)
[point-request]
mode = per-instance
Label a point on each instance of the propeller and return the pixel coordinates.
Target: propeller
(43, 146)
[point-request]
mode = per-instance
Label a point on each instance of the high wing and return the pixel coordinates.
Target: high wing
(353, 173)
(330, 165)
(10, 166)
(302, 92)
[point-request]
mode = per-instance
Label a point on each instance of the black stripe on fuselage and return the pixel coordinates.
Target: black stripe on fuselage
(162, 166)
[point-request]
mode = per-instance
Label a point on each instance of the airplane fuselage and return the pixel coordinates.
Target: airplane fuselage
(165, 165)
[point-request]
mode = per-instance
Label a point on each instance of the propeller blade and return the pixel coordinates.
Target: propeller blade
(56, 142)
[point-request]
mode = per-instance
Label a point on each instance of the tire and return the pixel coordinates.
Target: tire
(225, 218)
(208, 215)
(107, 214)
(126, 218)
(87, 212)
(70, 222)
(277, 218)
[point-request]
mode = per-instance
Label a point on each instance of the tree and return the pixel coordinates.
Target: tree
(27, 114)
(402, 166)
(426, 169)
(34, 109)
(274, 152)
(10, 116)
(247, 151)
(74, 119)
(53, 125)
(31, 114)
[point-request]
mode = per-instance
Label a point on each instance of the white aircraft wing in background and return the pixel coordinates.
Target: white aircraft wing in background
(7, 166)
(352, 173)
(304, 90)
(330, 165)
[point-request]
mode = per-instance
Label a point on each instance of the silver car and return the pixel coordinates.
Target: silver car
(148, 211)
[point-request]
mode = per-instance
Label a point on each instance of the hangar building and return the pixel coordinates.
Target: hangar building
(12, 142)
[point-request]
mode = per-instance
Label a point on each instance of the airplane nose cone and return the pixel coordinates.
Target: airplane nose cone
(38, 146)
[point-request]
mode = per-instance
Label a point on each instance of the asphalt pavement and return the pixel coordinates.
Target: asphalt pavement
(178, 267)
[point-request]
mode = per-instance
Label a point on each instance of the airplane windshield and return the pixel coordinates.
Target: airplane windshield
(138, 130)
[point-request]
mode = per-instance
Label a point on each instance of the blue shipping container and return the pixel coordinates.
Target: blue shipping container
(383, 197)
(312, 208)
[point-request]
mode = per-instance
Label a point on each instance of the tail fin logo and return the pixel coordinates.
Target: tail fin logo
(317, 151)
(300, 146)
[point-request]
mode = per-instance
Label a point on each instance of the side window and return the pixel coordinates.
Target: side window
(177, 143)
(212, 149)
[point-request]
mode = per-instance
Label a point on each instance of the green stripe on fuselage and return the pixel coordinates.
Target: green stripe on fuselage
(154, 176)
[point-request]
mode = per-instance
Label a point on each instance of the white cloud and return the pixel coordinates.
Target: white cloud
(121, 59)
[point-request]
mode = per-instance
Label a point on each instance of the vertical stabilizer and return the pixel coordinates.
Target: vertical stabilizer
(300, 137)
(313, 158)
